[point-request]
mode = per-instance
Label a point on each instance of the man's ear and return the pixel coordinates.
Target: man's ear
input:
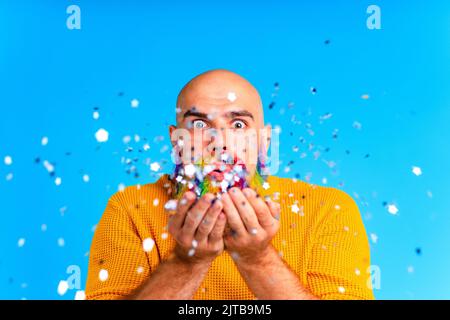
(171, 129)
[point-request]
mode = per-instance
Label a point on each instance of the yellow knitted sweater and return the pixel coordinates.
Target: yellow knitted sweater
(321, 237)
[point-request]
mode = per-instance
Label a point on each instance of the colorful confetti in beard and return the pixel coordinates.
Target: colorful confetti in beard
(205, 176)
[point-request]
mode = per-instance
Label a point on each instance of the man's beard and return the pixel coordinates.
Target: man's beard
(214, 177)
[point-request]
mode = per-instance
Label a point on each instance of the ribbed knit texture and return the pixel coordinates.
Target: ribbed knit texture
(324, 243)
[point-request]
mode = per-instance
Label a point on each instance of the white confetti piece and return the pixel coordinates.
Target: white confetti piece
(191, 252)
(254, 231)
(341, 289)
(392, 209)
(357, 272)
(135, 103)
(9, 176)
(295, 208)
(164, 235)
(231, 96)
(170, 205)
(44, 141)
(194, 243)
(374, 238)
(21, 242)
(155, 166)
(80, 295)
(8, 160)
(416, 170)
(61, 242)
(410, 269)
(146, 147)
(102, 135)
(266, 185)
(189, 170)
(86, 178)
(121, 187)
(148, 244)
(95, 115)
(140, 269)
(58, 181)
(155, 202)
(365, 96)
(357, 125)
(48, 166)
(103, 275)
(63, 286)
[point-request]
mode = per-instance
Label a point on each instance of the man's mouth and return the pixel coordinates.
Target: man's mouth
(217, 174)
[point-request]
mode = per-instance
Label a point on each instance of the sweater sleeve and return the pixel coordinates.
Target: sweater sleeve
(339, 262)
(118, 263)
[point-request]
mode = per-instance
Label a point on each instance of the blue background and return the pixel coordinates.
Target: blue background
(52, 78)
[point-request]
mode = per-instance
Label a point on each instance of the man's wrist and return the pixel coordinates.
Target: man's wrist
(191, 262)
(261, 259)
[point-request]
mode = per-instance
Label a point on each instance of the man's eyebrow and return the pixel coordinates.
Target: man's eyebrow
(193, 113)
(230, 114)
(241, 113)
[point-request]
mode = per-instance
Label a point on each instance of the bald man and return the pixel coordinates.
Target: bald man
(276, 239)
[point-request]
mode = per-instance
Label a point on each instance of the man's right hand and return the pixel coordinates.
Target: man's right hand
(198, 228)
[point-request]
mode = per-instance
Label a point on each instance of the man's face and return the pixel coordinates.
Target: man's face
(220, 120)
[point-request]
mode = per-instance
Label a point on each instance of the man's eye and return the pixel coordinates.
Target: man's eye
(198, 124)
(238, 124)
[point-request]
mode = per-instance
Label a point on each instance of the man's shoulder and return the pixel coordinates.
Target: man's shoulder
(152, 191)
(312, 193)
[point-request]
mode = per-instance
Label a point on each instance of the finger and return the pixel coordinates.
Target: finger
(275, 208)
(196, 213)
(208, 221)
(216, 233)
(261, 208)
(245, 210)
(183, 206)
(233, 218)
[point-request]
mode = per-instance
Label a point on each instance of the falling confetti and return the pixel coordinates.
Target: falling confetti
(21, 242)
(58, 181)
(44, 141)
(95, 115)
(63, 286)
(341, 289)
(148, 244)
(8, 160)
(357, 125)
(392, 209)
(416, 170)
(295, 208)
(102, 135)
(171, 205)
(61, 242)
(80, 295)
(374, 238)
(155, 166)
(134, 103)
(231, 96)
(103, 275)
(86, 178)
(365, 96)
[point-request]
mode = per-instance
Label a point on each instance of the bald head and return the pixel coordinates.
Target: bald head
(227, 110)
(218, 91)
